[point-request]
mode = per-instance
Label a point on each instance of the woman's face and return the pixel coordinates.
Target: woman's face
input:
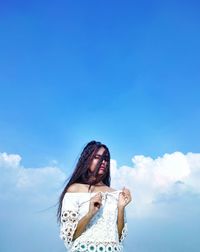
(102, 168)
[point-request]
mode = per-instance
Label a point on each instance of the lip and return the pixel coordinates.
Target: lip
(102, 168)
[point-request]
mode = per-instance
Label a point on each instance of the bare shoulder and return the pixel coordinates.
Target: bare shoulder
(77, 187)
(108, 189)
(73, 188)
(112, 189)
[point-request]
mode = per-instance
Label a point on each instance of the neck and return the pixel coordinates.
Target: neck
(97, 184)
(100, 184)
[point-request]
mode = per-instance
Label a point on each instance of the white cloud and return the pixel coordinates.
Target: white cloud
(148, 179)
(160, 187)
(27, 197)
(152, 179)
(25, 182)
(12, 160)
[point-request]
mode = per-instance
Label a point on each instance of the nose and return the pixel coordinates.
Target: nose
(104, 162)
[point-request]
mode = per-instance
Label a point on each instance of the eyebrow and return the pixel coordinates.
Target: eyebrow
(101, 155)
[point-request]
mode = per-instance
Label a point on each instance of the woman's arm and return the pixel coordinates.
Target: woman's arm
(82, 225)
(120, 221)
(95, 204)
(123, 201)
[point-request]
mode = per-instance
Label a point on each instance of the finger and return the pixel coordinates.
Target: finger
(128, 196)
(99, 197)
(96, 195)
(127, 192)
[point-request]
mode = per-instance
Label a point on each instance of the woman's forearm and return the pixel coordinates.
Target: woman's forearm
(95, 204)
(120, 220)
(82, 225)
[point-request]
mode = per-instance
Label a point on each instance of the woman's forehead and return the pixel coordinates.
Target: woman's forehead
(100, 151)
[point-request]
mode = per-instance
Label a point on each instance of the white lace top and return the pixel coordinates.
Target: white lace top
(101, 234)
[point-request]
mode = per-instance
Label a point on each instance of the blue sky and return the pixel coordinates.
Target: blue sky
(124, 73)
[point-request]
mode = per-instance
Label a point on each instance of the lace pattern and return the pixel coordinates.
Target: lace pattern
(124, 233)
(69, 222)
(96, 247)
(101, 234)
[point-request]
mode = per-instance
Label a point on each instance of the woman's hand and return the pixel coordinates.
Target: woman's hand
(95, 204)
(124, 198)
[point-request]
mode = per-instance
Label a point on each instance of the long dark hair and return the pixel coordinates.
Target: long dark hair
(82, 174)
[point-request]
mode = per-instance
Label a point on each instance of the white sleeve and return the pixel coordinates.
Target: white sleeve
(69, 218)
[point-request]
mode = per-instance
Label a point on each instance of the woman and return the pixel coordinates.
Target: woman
(91, 213)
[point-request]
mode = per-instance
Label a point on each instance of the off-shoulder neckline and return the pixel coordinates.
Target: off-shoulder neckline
(107, 192)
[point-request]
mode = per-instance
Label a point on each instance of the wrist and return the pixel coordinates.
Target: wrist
(121, 208)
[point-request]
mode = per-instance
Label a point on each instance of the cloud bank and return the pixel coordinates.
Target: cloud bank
(166, 197)
(158, 180)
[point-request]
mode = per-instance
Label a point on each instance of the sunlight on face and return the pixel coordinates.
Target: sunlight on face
(102, 168)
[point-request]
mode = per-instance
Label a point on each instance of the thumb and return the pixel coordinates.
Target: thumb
(123, 188)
